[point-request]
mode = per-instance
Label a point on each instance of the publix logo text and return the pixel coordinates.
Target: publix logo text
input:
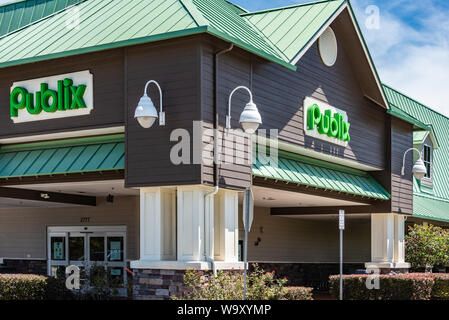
(53, 97)
(325, 122)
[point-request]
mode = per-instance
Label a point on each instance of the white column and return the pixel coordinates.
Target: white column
(226, 226)
(387, 241)
(191, 223)
(157, 224)
(399, 234)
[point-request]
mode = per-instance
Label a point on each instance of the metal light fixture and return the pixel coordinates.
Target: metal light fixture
(419, 169)
(146, 112)
(250, 118)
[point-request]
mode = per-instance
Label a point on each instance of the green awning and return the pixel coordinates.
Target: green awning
(319, 174)
(430, 208)
(81, 155)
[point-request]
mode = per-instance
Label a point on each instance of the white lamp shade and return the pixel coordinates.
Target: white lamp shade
(250, 118)
(146, 112)
(419, 169)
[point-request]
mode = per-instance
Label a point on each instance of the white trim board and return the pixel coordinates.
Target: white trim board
(63, 135)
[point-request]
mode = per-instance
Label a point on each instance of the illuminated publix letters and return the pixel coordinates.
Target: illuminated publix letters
(326, 122)
(67, 97)
(52, 97)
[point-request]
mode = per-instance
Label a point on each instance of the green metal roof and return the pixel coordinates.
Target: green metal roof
(61, 157)
(318, 174)
(290, 29)
(15, 15)
(427, 207)
(439, 125)
(106, 24)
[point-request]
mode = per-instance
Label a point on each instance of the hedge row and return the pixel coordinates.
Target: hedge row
(31, 287)
(297, 293)
(412, 286)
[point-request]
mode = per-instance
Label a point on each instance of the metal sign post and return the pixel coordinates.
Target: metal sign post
(341, 226)
(248, 215)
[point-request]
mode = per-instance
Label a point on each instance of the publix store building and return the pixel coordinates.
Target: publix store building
(101, 166)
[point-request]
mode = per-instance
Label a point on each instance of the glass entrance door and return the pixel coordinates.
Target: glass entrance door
(99, 252)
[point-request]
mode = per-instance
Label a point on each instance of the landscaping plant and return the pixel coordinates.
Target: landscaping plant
(427, 247)
(228, 285)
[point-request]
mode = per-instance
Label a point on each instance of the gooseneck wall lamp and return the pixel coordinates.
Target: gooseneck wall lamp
(419, 169)
(146, 112)
(250, 118)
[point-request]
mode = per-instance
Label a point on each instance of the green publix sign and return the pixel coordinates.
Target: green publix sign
(67, 97)
(53, 97)
(326, 122)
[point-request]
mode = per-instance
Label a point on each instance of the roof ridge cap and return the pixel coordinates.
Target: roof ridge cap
(414, 100)
(196, 14)
(42, 19)
(287, 7)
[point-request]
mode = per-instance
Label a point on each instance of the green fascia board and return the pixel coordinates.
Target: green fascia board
(80, 155)
(399, 113)
(430, 208)
(318, 174)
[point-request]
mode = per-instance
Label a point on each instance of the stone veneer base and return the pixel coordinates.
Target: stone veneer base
(157, 284)
(24, 266)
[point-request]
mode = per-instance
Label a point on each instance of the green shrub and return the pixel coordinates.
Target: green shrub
(56, 289)
(440, 290)
(391, 287)
(22, 287)
(297, 293)
(228, 285)
(426, 247)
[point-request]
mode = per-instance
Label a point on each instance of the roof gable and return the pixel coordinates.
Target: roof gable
(290, 29)
(439, 125)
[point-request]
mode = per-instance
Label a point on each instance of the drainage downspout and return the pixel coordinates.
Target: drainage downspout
(215, 111)
(209, 235)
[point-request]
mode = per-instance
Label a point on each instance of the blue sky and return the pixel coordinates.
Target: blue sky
(410, 48)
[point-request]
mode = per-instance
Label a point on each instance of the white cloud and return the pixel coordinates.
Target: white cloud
(412, 56)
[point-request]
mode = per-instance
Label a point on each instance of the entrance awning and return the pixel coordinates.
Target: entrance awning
(82, 155)
(318, 174)
(430, 208)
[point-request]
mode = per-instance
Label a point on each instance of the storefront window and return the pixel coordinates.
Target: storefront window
(58, 248)
(96, 247)
(115, 248)
(76, 248)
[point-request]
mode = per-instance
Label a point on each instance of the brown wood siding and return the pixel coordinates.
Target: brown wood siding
(279, 94)
(277, 89)
(107, 69)
(234, 69)
(401, 186)
(175, 65)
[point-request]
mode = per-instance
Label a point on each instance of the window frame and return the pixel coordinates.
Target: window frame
(428, 162)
